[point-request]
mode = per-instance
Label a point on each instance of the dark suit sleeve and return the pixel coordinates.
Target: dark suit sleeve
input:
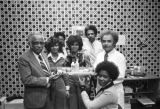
(66, 79)
(29, 75)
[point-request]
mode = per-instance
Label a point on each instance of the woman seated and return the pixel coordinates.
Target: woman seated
(106, 94)
(57, 59)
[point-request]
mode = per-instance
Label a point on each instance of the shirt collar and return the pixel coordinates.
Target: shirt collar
(112, 51)
(60, 55)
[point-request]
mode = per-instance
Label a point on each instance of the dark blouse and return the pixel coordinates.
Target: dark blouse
(82, 59)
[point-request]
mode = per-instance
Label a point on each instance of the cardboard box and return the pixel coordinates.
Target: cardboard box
(14, 104)
(2, 100)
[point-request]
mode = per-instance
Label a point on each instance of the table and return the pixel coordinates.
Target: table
(14, 104)
(145, 91)
(149, 77)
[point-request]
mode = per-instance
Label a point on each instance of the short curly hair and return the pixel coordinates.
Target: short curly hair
(90, 27)
(72, 39)
(52, 41)
(110, 67)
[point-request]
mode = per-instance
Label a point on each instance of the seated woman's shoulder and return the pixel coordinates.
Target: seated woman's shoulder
(62, 55)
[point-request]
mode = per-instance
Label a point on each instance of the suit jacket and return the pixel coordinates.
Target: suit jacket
(34, 80)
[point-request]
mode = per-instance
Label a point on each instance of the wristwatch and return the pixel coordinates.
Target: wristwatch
(83, 88)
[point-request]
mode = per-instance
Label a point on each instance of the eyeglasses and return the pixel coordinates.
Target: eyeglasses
(36, 43)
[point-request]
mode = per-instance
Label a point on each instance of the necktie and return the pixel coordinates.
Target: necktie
(106, 57)
(44, 67)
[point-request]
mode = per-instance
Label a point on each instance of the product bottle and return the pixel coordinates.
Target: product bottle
(77, 65)
(73, 66)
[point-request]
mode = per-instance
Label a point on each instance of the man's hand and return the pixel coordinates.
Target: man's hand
(48, 85)
(67, 93)
(53, 77)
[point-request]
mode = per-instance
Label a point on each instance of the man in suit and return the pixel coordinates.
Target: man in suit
(35, 74)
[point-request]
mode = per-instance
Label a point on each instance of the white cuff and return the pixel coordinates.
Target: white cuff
(67, 87)
(47, 78)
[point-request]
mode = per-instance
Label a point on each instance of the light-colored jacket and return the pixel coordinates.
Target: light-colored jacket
(107, 99)
(119, 60)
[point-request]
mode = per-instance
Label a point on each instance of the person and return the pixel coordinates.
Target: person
(61, 85)
(54, 50)
(109, 39)
(92, 46)
(76, 53)
(61, 37)
(106, 95)
(36, 75)
(75, 44)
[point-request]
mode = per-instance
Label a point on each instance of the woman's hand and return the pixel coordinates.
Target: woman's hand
(54, 69)
(82, 81)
